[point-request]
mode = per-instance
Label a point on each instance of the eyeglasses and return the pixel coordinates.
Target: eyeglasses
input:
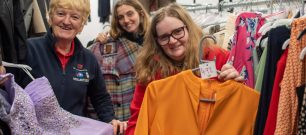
(176, 34)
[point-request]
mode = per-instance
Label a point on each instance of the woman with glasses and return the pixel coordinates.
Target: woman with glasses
(171, 46)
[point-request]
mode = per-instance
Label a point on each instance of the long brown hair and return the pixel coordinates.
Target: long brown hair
(116, 29)
(152, 59)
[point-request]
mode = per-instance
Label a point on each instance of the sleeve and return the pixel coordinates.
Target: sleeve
(135, 108)
(99, 96)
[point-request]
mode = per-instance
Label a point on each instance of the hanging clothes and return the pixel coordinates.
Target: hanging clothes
(35, 110)
(247, 25)
(273, 107)
(293, 77)
(170, 106)
(104, 10)
(12, 35)
(277, 37)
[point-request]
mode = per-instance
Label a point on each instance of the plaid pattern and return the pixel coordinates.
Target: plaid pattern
(118, 71)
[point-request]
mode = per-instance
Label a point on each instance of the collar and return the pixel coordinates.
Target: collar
(70, 53)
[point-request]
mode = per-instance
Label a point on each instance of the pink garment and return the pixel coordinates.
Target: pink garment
(35, 110)
(247, 26)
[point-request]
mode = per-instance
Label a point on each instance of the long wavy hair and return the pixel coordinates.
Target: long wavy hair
(152, 58)
(117, 30)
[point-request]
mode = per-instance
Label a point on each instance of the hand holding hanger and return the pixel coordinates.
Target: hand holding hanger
(229, 72)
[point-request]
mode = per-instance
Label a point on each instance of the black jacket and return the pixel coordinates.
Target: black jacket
(81, 76)
(12, 31)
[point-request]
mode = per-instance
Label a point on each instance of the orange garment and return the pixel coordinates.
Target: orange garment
(170, 107)
(286, 121)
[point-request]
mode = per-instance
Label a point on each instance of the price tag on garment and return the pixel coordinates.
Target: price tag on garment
(208, 69)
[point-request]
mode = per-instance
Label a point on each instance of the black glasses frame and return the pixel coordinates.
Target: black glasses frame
(172, 35)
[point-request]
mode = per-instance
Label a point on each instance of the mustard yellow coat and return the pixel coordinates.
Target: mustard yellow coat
(170, 107)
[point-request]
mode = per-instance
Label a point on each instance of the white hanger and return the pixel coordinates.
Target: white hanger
(282, 22)
(264, 27)
(277, 23)
(286, 43)
(302, 54)
(264, 42)
(25, 68)
(7, 64)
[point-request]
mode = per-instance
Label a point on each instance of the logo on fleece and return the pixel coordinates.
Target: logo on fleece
(80, 74)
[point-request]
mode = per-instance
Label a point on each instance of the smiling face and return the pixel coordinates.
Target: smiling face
(66, 23)
(129, 18)
(175, 48)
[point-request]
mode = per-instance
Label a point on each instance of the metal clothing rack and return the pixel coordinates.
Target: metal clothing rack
(223, 5)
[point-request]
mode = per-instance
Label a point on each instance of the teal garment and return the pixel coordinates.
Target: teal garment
(260, 70)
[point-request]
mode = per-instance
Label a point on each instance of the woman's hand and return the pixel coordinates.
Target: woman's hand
(2, 71)
(102, 37)
(118, 124)
(229, 72)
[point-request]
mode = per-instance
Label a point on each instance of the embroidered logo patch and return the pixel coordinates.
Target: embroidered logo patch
(80, 74)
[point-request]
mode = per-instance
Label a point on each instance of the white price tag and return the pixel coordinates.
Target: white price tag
(208, 70)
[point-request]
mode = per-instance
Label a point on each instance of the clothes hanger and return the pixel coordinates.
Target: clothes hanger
(301, 34)
(302, 54)
(265, 26)
(25, 68)
(282, 22)
(208, 100)
(285, 44)
(264, 42)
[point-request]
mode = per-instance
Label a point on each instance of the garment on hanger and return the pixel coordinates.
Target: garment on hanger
(13, 34)
(229, 30)
(247, 25)
(293, 77)
(259, 71)
(104, 10)
(301, 127)
(277, 36)
(35, 110)
(171, 106)
(273, 107)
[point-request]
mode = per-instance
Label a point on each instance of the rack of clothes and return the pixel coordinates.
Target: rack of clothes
(282, 78)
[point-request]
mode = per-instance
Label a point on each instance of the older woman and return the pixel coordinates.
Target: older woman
(71, 69)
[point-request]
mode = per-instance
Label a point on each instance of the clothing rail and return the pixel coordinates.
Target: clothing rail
(224, 5)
